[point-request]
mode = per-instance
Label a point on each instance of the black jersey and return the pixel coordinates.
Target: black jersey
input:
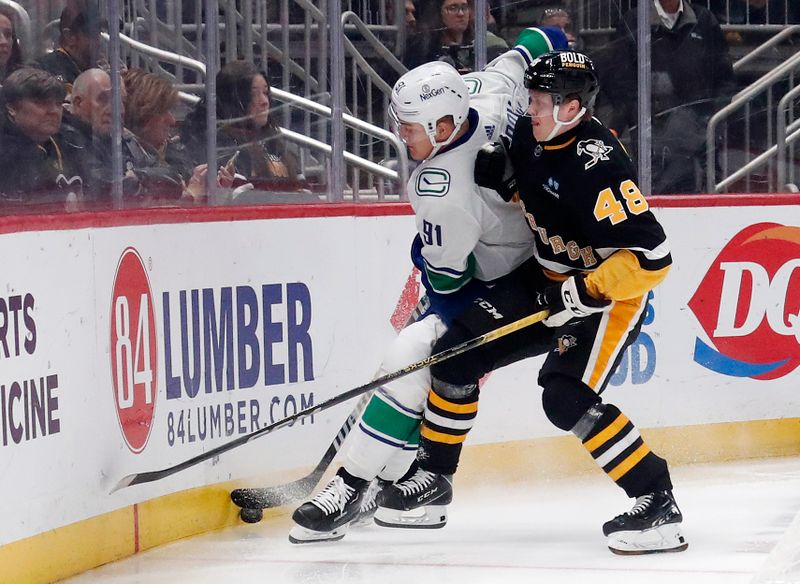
(580, 197)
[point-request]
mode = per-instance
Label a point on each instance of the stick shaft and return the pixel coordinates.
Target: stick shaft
(277, 495)
(146, 477)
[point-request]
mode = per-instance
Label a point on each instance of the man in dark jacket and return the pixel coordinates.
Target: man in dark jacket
(692, 78)
(87, 132)
(79, 42)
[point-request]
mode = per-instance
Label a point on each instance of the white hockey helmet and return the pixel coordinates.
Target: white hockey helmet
(428, 93)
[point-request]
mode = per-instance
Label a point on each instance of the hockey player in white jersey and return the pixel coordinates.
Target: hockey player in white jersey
(467, 237)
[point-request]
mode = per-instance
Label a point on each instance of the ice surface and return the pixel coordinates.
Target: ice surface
(537, 532)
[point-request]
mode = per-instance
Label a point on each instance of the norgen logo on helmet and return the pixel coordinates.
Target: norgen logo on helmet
(430, 93)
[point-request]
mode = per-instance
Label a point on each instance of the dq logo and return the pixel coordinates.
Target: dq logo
(748, 305)
(133, 350)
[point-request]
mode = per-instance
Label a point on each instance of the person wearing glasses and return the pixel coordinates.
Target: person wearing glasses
(446, 33)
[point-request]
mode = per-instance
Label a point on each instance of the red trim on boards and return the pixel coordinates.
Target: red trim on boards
(175, 215)
(725, 200)
(136, 542)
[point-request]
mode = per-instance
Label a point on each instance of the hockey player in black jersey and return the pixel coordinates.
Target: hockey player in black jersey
(599, 251)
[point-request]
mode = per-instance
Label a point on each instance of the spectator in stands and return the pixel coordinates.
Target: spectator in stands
(446, 33)
(79, 42)
(692, 78)
(559, 18)
(411, 16)
(34, 168)
(247, 126)
(165, 170)
(10, 54)
(87, 128)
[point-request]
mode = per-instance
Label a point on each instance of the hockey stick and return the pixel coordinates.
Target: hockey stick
(265, 497)
(147, 477)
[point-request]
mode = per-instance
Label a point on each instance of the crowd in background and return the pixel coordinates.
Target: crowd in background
(56, 127)
(56, 117)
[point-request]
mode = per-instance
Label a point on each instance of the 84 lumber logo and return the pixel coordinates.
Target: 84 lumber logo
(748, 305)
(133, 350)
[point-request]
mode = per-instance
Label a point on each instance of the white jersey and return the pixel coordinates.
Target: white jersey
(498, 89)
(469, 231)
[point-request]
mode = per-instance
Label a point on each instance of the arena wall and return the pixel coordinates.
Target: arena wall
(132, 341)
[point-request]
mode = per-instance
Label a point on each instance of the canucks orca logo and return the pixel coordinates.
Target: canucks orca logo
(433, 182)
(748, 305)
(595, 149)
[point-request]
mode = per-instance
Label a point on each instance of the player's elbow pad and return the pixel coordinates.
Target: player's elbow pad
(493, 170)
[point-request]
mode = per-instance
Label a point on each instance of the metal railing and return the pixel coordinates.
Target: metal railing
(304, 139)
(742, 100)
(788, 131)
(770, 44)
(365, 82)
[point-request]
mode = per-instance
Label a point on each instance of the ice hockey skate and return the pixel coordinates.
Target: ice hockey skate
(653, 525)
(369, 503)
(328, 515)
(418, 502)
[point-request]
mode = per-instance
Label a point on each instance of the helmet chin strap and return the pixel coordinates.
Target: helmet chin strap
(559, 124)
(439, 145)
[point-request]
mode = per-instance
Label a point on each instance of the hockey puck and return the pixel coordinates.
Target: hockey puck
(249, 515)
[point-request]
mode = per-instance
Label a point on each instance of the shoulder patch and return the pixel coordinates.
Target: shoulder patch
(473, 85)
(433, 182)
(595, 149)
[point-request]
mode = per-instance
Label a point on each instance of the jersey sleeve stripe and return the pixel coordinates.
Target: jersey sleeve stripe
(447, 280)
(659, 252)
(445, 271)
(444, 284)
(525, 54)
(650, 264)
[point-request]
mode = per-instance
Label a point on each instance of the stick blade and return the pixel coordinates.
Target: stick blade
(125, 481)
(271, 497)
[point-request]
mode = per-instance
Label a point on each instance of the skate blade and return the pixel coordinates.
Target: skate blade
(428, 517)
(658, 540)
(300, 534)
(364, 520)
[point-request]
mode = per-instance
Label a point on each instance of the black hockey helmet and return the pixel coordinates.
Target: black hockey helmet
(564, 74)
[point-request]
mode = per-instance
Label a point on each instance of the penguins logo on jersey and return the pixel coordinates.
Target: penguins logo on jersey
(565, 343)
(595, 149)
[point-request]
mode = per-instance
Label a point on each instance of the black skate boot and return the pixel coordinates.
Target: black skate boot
(369, 503)
(653, 525)
(327, 516)
(417, 502)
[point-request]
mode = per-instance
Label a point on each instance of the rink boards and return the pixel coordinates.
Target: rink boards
(132, 341)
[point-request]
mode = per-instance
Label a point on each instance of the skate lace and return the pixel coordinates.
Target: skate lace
(419, 481)
(334, 497)
(642, 504)
(370, 495)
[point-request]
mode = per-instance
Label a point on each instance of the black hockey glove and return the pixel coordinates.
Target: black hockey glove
(569, 300)
(493, 169)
